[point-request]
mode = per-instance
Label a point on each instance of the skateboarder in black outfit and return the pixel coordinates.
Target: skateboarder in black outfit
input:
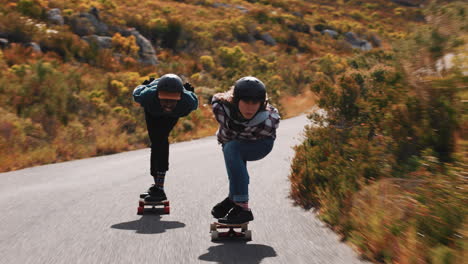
(164, 100)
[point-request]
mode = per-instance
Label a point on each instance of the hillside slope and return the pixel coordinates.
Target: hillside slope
(67, 68)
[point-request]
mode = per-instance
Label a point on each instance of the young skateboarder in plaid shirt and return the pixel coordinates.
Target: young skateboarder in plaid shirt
(165, 100)
(247, 131)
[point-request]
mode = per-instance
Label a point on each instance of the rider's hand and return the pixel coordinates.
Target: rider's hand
(145, 82)
(189, 87)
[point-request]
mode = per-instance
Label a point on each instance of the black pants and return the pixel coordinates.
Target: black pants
(159, 128)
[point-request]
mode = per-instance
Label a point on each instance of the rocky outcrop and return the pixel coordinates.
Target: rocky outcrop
(331, 33)
(239, 7)
(147, 53)
(34, 46)
(102, 42)
(54, 16)
(90, 27)
(4, 43)
(356, 42)
(320, 27)
(242, 9)
(351, 38)
(267, 38)
(89, 23)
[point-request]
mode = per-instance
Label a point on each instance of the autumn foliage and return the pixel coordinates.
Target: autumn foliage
(384, 160)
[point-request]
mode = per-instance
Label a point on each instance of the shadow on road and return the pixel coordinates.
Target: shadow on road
(149, 224)
(238, 252)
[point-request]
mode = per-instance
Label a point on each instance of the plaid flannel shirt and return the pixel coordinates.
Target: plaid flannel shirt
(265, 129)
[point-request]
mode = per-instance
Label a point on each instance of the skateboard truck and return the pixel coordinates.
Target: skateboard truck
(244, 233)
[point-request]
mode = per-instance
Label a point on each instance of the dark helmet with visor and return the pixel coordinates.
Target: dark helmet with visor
(170, 83)
(249, 88)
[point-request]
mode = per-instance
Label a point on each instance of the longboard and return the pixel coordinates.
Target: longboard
(243, 234)
(142, 205)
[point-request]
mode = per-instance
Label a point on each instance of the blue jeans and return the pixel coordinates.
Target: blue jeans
(236, 155)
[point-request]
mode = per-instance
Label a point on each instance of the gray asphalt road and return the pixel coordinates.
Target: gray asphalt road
(84, 211)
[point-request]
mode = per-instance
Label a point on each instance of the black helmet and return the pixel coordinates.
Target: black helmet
(251, 88)
(170, 83)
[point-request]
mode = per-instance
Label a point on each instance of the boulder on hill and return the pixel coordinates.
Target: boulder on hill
(54, 16)
(89, 24)
(103, 42)
(356, 42)
(147, 53)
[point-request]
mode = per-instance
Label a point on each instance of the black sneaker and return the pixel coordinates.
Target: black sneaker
(155, 194)
(221, 209)
(143, 195)
(237, 215)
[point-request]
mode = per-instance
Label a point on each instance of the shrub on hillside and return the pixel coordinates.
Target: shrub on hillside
(65, 44)
(18, 28)
(207, 63)
(32, 8)
(425, 211)
(18, 138)
(232, 57)
(126, 46)
(381, 166)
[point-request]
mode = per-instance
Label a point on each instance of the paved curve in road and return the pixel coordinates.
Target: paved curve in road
(84, 211)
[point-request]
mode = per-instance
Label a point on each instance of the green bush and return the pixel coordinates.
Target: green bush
(380, 163)
(19, 28)
(66, 44)
(30, 8)
(207, 62)
(442, 255)
(232, 57)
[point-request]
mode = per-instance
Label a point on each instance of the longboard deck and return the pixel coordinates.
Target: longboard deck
(244, 234)
(143, 207)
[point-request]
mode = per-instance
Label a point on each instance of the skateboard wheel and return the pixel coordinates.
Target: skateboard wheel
(166, 203)
(140, 210)
(167, 209)
(141, 203)
(212, 227)
(214, 235)
(248, 235)
(244, 227)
